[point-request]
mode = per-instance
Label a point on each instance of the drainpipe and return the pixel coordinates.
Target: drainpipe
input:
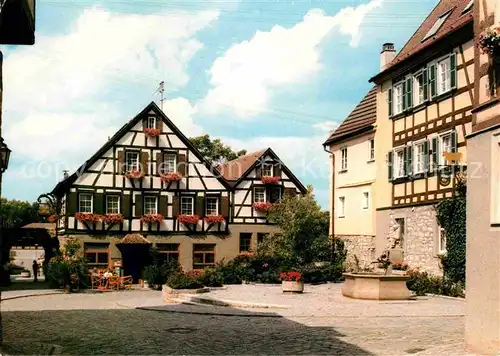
(332, 197)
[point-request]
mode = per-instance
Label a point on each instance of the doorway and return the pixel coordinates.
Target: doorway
(135, 257)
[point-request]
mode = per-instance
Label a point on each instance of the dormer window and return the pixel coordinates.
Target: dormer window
(267, 170)
(468, 7)
(151, 122)
(437, 25)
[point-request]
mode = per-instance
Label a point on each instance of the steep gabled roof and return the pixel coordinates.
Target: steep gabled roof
(361, 119)
(66, 183)
(236, 170)
(457, 19)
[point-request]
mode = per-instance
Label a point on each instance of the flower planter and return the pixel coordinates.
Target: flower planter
(188, 219)
(262, 207)
(171, 177)
(292, 287)
(152, 132)
(375, 286)
(270, 180)
(152, 218)
(134, 175)
(214, 219)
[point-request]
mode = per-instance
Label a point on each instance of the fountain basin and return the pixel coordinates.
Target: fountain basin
(375, 286)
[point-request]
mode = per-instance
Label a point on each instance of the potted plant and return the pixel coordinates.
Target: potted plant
(291, 282)
(214, 219)
(263, 207)
(171, 177)
(152, 132)
(270, 180)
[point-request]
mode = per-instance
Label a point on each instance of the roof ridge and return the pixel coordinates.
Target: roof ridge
(245, 155)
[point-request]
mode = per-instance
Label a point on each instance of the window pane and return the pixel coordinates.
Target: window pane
(112, 204)
(275, 194)
(132, 161)
(170, 163)
(198, 258)
(187, 205)
(267, 170)
(209, 258)
(102, 257)
(151, 122)
(85, 203)
(212, 206)
(260, 194)
(203, 247)
(150, 205)
(245, 241)
(90, 257)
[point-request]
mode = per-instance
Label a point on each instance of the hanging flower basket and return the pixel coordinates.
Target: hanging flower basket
(171, 177)
(52, 219)
(214, 219)
(152, 132)
(188, 219)
(134, 174)
(270, 180)
(88, 217)
(262, 206)
(112, 218)
(151, 218)
(489, 42)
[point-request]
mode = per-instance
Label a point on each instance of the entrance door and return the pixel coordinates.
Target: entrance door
(135, 257)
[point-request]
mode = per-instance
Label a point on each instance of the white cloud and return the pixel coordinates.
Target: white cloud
(326, 126)
(180, 112)
(243, 78)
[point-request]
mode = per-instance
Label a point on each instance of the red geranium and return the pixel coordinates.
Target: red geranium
(188, 219)
(52, 218)
(112, 218)
(88, 217)
(291, 276)
(152, 132)
(150, 218)
(134, 174)
(262, 206)
(270, 180)
(214, 219)
(171, 177)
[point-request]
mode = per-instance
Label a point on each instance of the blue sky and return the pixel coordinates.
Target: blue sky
(254, 73)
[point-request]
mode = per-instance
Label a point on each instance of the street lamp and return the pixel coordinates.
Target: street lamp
(4, 155)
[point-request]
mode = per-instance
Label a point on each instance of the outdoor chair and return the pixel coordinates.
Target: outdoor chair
(95, 281)
(126, 282)
(114, 282)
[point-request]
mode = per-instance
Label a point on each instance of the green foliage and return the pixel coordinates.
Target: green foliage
(16, 213)
(451, 215)
(422, 283)
(158, 272)
(68, 268)
(180, 280)
(211, 277)
(214, 151)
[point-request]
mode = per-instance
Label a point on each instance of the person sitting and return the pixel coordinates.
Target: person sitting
(108, 274)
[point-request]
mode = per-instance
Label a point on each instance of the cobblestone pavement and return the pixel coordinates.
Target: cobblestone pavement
(105, 324)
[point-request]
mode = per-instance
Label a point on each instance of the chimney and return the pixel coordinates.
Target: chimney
(387, 55)
(65, 174)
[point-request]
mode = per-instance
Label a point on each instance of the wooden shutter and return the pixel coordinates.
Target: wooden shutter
(290, 192)
(454, 139)
(224, 207)
(127, 206)
(404, 95)
(176, 206)
(435, 154)
(390, 159)
(200, 206)
(405, 161)
(453, 70)
(159, 124)
(181, 164)
(409, 161)
(99, 203)
(258, 170)
(426, 156)
(145, 162)
(162, 205)
(425, 80)
(277, 169)
(121, 161)
(409, 92)
(389, 101)
(159, 162)
(139, 205)
(72, 203)
(432, 80)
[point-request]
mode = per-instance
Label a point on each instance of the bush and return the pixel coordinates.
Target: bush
(211, 278)
(157, 274)
(180, 280)
(325, 272)
(68, 268)
(230, 271)
(422, 283)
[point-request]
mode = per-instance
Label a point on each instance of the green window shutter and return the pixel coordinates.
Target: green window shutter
(389, 100)
(435, 154)
(426, 156)
(409, 92)
(99, 203)
(454, 144)
(405, 161)
(425, 79)
(432, 80)
(404, 96)
(390, 159)
(453, 70)
(162, 205)
(409, 161)
(127, 206)
(139, 206)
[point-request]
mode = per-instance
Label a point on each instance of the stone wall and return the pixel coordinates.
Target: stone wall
(420, 244)
(361, 246)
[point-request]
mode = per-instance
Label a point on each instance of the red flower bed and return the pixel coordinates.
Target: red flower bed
(52, 218)
(151, 218)
(171, 177)
(88, 217)
(291, 276)
(270, 180)
(214, 219)
(262, 206)
(188, 219)
(134, 174)
(152, 132)
(112, 218)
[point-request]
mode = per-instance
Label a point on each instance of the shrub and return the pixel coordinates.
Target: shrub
(180, 280)
(68, 268)
(422, 283)
(211, 277)
(325, 272)
(157, 273)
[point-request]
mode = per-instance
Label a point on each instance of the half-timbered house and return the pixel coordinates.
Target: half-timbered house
(149, 186)
(424, 102)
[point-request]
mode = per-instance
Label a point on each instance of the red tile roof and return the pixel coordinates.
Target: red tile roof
(233, 170)
(134, 239)
(453, 22)
(361, 118)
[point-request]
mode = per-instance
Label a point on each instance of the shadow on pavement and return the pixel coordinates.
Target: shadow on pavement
(145, 332)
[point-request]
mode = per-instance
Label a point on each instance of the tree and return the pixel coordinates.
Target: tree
(214, 151)
(16, 213)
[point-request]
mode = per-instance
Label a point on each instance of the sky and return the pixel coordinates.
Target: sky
(254, 73)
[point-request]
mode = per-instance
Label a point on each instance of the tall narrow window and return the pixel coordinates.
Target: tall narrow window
(112, 204)
(366, 200)
(169, 163)
(187, 205)
(343, 162)
(275, 194)
(446, 146)
(341, 213)
(372, 150)
(419, 88)
(150, 205)
(245, 241)
(212, 206)
(85, 203)
(267, 169)
(151, 123)
(398, 98)
(131, 161)
(259, 194)
(203, 256)
(419, 160)
(444, 76)
(399, 164)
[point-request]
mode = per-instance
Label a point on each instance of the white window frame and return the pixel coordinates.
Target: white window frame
(80, 195)
(396, 169)
(184, 199)
(341, 207)
(267, 169)
(398, 100)
(441, 233)
(128, 167)
(371, 150)
(366, 200)
(343, 159)
(417, 98)
(255, 195)
(447, 75)
(107, 204)
(415, 156)
(442, 160)
(151, 122)
(155, 211)
(207, 199)
(166, 165)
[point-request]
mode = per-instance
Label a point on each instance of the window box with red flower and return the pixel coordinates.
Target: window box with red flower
(152, 218)
(214, 219)
(52, 219)
(188, 219)
(112, 218)
(171, 177)
(291, 282)
(152, 132)
(88, 217)
(134, 174)
(270, 180)
(263, 207)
